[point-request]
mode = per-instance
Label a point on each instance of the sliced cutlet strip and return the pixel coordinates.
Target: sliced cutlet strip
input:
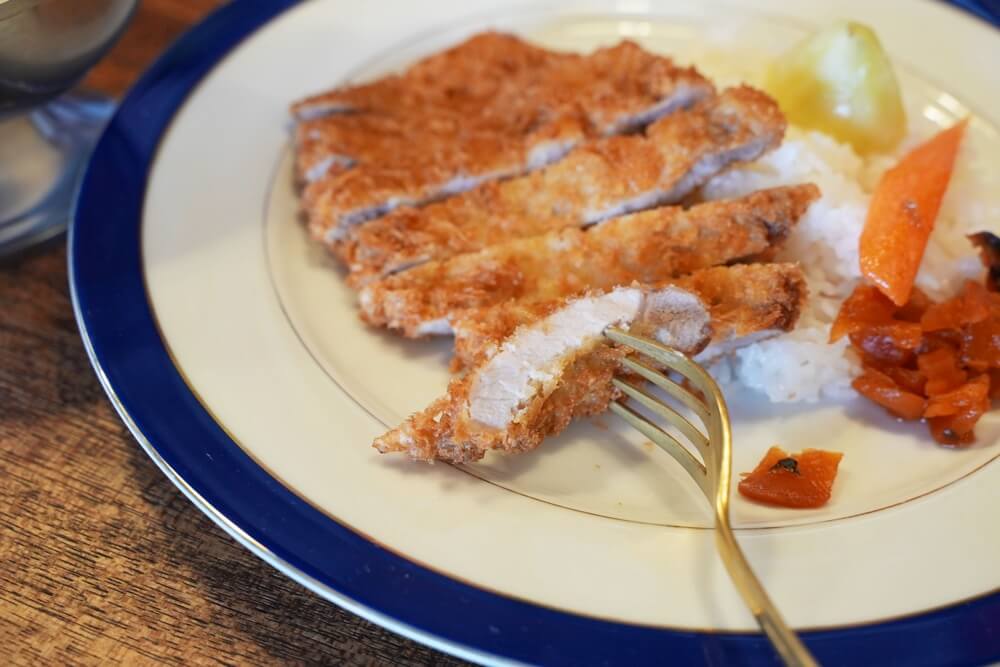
(545, 374)
(522, 127)
(747, 302)
(429, 138)
(459, 77)
(596, 181)
(648, 247)
(492, 83)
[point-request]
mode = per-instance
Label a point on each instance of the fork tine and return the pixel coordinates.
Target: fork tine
(672, 359)
(667, 443)
(672, 388)
(697, 438)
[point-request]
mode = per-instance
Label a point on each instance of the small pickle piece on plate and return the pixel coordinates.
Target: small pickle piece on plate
(802, 480)
(840, 81)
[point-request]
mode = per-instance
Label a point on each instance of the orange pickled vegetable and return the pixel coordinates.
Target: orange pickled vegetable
(902, 212)
(881, 389)
(941, 368)
(989, 251)
(864, 307)
(798, 480)
(970, 306)
(953, 415)
(893, 342)
(907, 379)
(981, 344)
(994, 375)
(914, 309)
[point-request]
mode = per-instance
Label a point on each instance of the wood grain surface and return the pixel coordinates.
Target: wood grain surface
(101, 559)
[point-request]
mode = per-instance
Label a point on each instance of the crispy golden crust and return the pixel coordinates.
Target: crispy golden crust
(647, 247)
(599, 179)
(487, 409)
(467, 127)
(444, 431)
(743, 299)
(747, 298)
(465, 75)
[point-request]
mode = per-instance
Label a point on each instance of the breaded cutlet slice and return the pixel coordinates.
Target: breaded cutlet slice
(647, 247)
(599, 179)
(363, 164)
(747, 303)
(469, 73)
(546, 374)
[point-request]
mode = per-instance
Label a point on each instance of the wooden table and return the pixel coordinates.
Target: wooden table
(101, 559)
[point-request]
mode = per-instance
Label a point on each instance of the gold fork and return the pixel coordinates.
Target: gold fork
(712, 474)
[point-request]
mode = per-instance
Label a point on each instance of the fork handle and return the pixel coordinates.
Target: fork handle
(788, 645)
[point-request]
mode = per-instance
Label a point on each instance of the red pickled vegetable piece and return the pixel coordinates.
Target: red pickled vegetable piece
(881, 389)
(989, 251)
(945, 432)
(864, 307)
(970, 306)
(981, 345)
(907, 379)
(902, 212)
(972, 394)
(994, 375)
(942, 371)
(798, 480)
(914, 309)
(944, 338)
(893, 343)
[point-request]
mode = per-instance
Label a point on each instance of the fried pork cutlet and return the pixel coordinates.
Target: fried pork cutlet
(647, 247)
(416, 141)
(747, 303)
(598, 180)
(461, 77)
(493, 81)
(545, 374)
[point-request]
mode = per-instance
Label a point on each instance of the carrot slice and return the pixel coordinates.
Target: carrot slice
(799, 480)
(864, 307)
(902, 213)
(881, 389)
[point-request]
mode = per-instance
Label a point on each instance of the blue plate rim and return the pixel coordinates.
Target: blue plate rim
(135, 369)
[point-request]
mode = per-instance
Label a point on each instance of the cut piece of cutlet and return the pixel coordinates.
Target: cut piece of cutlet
(647, 247)
(598, 180)
(545, 374)
(555, 365)
(427, 145)
(747, 303)
(460, 77)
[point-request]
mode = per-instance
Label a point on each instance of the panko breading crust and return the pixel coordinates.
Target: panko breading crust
(598, 180)
(647, 247)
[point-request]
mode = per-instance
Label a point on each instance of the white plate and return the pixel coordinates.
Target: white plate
(595, 523)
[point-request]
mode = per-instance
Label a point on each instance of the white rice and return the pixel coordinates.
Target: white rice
(802, 365)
